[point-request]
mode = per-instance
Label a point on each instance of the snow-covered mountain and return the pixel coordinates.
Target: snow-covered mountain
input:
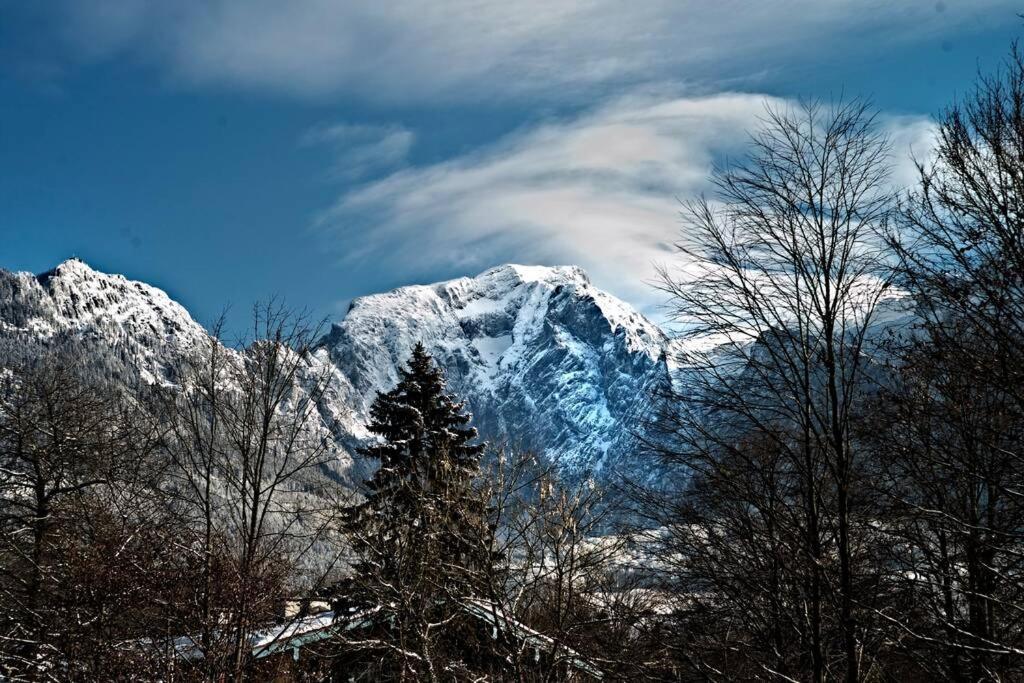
(133, 324)
(544, 359)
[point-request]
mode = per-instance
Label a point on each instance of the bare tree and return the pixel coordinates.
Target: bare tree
(949, 476)
(954, 413)
(192, 412)
(960, 238)
(776, 296)
(247, 446)
(564, 572)
(86, 549)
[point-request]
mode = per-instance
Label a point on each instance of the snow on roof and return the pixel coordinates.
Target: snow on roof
(293, 634)
(318, 627)
(495, 616)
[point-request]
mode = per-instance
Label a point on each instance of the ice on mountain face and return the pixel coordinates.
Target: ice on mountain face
(491, 349)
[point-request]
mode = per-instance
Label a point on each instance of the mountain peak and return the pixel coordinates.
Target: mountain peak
(545, 358)
(73, 266)
(552, 274)
(73, 262)
(75, 299)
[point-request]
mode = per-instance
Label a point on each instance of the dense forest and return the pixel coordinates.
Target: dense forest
(835, 487)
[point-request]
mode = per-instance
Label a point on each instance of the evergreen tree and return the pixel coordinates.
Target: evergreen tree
(421, 537)
(426, 446)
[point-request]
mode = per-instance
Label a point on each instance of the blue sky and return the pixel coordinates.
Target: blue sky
(233, 150)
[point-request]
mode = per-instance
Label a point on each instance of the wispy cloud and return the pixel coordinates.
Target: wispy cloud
(360, 149)
(600, 190)
(415, 50)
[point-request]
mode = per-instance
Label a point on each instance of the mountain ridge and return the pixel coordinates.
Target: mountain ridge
(545, 360)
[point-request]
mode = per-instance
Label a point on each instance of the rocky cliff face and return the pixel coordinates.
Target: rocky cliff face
(545, 360)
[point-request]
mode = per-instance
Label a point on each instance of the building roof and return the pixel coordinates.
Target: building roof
(297, 633)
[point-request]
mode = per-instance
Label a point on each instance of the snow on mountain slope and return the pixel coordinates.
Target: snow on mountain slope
(139, 321)
(131, 331)
(544, 359)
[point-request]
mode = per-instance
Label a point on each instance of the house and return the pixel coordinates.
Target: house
(329, 646)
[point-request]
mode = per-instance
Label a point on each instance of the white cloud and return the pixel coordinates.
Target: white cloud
(414, 50)
(600, 191)
(360, 149)
(912, 138)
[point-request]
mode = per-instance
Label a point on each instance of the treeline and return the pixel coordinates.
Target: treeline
(842, 450)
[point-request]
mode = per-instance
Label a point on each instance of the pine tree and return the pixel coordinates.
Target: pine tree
(426, 449)
(421, 537)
